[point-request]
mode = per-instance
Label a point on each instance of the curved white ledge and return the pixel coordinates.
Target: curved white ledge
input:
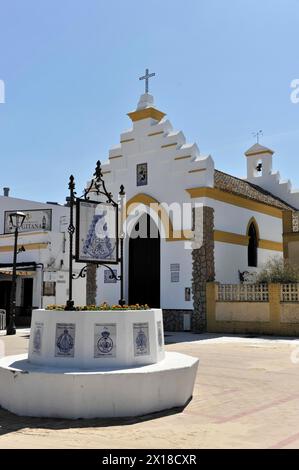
(33, 390)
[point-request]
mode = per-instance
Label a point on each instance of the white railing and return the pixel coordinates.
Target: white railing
(243, 293)
(289, 292)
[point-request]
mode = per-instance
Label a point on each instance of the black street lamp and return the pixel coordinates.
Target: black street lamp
(16, 220)
(121, 237)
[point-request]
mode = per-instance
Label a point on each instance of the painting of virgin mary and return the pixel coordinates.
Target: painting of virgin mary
(97, 232)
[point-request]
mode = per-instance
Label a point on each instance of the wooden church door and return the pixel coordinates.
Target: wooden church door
(144, 264)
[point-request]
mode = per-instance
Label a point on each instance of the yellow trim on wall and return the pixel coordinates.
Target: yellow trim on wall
(149, 201)
(197, 170)
(28, 247)
(146, 113)
(274, 326)
(270, 245)
(106, 172)
(291, 237)
(22, 234)
(235, 200)
(238, 239)
(261, 152)
(229, 237)
(181, 235)
(168, 145)
(183, 158)
(155, 133)
(126, 140)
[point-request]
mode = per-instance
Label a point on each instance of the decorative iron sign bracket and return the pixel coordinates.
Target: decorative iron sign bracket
(96, 230)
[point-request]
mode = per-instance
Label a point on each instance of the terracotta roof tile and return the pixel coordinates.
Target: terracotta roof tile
(234, 185)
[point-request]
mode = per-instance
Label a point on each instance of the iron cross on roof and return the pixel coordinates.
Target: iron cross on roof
(146, 77)
(257, 135)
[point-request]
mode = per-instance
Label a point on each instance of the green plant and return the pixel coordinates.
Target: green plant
(277, 270)
(103, 306)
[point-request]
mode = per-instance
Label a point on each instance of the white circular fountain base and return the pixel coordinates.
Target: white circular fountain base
(28, 389)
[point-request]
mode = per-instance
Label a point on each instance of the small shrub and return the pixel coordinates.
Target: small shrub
(277, 270)
(103, 306)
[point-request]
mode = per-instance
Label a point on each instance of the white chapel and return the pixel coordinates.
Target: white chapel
(208, 225)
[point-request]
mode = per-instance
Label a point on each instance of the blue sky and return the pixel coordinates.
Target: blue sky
(71, 68)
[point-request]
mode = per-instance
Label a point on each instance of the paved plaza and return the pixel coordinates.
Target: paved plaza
(246, 395)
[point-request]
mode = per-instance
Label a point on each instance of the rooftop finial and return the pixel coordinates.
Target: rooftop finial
(257, 135)
(146, 78)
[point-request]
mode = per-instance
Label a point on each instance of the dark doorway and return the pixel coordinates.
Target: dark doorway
(27, 295)
(144, 263)
(5, 289)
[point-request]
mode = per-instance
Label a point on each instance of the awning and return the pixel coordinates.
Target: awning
(8, 272)
(23, 269)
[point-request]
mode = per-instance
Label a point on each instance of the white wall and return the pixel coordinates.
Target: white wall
(54, 255)
(172, 293)
(62, 289)
(230, 258)
(11, 203)
(230, 218)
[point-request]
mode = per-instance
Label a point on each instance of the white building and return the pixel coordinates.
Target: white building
(238, 228)
(42, 269)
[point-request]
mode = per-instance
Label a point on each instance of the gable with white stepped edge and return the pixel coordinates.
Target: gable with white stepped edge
(172, 163)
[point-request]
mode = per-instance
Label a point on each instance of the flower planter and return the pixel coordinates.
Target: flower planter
(96, 339)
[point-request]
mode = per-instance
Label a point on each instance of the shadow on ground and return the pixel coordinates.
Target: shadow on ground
(10, 422)
(174, 337)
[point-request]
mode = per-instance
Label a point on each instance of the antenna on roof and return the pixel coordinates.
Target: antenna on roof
(257, 135)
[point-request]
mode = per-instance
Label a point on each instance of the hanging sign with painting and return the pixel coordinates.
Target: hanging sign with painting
(97, 232)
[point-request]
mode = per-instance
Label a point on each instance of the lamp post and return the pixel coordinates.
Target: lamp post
(122, 236)
(16, 220)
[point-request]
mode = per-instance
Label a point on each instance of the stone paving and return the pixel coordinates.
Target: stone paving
(246, 396)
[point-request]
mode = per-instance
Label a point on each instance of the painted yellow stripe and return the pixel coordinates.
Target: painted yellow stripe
(181, 235)
(155, 133)
(235, 200)
(183, 158)
(270, 245)
(21, 234)
(196, 171)
(28, 247)
(146, 113)
(168, 145)
(106, 172)
(291, 237)
(229, 237)
(261, 152)
(149, 201)
(238, 239)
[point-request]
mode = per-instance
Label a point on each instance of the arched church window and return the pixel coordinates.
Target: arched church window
(252, 245)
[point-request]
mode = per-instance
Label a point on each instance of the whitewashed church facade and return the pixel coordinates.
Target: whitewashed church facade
(237, 223)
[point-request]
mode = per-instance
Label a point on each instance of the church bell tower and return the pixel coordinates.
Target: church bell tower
(259, 162)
